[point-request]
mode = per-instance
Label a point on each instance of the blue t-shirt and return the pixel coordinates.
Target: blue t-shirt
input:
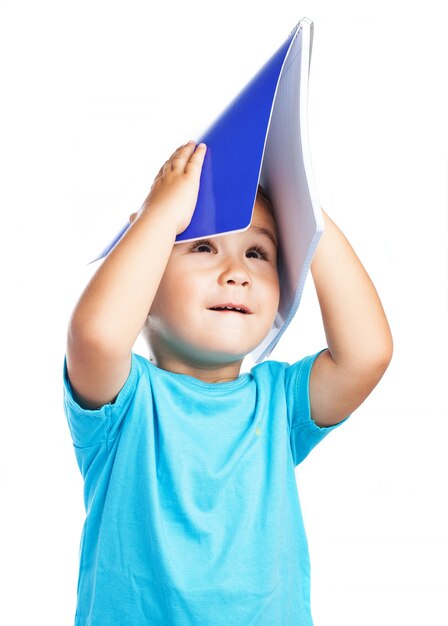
(192, 510)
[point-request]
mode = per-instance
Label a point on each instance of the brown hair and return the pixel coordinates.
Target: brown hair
(267, 200)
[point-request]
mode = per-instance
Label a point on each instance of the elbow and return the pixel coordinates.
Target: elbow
(374, 360)
(375, 355)
(86, 334)
(383, 357)
(387, 352)
(381, 353)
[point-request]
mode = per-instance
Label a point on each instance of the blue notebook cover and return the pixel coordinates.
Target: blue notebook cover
(262, 137)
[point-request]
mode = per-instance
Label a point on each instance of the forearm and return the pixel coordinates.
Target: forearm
(114, 305)
(355, 324)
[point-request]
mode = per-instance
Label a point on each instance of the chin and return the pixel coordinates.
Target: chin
(221, 353)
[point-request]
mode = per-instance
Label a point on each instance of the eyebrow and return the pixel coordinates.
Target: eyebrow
(264, 231)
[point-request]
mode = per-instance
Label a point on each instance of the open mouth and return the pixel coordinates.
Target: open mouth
(226, 309)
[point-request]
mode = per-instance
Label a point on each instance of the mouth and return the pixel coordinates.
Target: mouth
(241, 309)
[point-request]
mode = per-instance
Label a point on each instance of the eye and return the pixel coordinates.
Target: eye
(200, 244)
(261, 251)
(207, 243)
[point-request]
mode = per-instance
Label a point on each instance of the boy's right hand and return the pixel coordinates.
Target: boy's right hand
(175, 189)
(113, 308)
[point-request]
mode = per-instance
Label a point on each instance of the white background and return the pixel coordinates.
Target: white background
(95, 97)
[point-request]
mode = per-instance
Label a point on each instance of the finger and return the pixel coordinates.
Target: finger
(159, 173)
(196, 159)
(182, 155)
(181, 149)
(168, 165)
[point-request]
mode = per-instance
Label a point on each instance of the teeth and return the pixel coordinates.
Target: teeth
(229, 308)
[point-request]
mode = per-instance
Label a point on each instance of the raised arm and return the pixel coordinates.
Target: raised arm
(359, 339)
(114, 305)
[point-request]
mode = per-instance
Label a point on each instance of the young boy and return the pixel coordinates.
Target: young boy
(193, 516)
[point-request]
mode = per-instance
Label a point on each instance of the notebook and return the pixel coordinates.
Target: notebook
(261, 136)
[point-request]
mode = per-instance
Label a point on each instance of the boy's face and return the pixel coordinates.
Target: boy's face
(182, 328)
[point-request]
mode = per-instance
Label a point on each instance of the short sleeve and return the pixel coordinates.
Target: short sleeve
(89, 427)
(304, 432)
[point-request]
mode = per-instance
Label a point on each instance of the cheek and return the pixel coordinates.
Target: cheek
(275, 292)
(271, 280)
(162, 302)
(173, 297)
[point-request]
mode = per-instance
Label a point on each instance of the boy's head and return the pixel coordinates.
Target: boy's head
(237, 268)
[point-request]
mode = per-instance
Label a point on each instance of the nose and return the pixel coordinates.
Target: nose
(234, 273)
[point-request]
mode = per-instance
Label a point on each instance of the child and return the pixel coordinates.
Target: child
(193, 516)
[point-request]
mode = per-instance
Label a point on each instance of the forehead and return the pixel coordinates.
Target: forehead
(263, 208)
(262, 223)
(264, 217)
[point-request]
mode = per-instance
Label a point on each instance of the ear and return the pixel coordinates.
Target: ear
(132, 217)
